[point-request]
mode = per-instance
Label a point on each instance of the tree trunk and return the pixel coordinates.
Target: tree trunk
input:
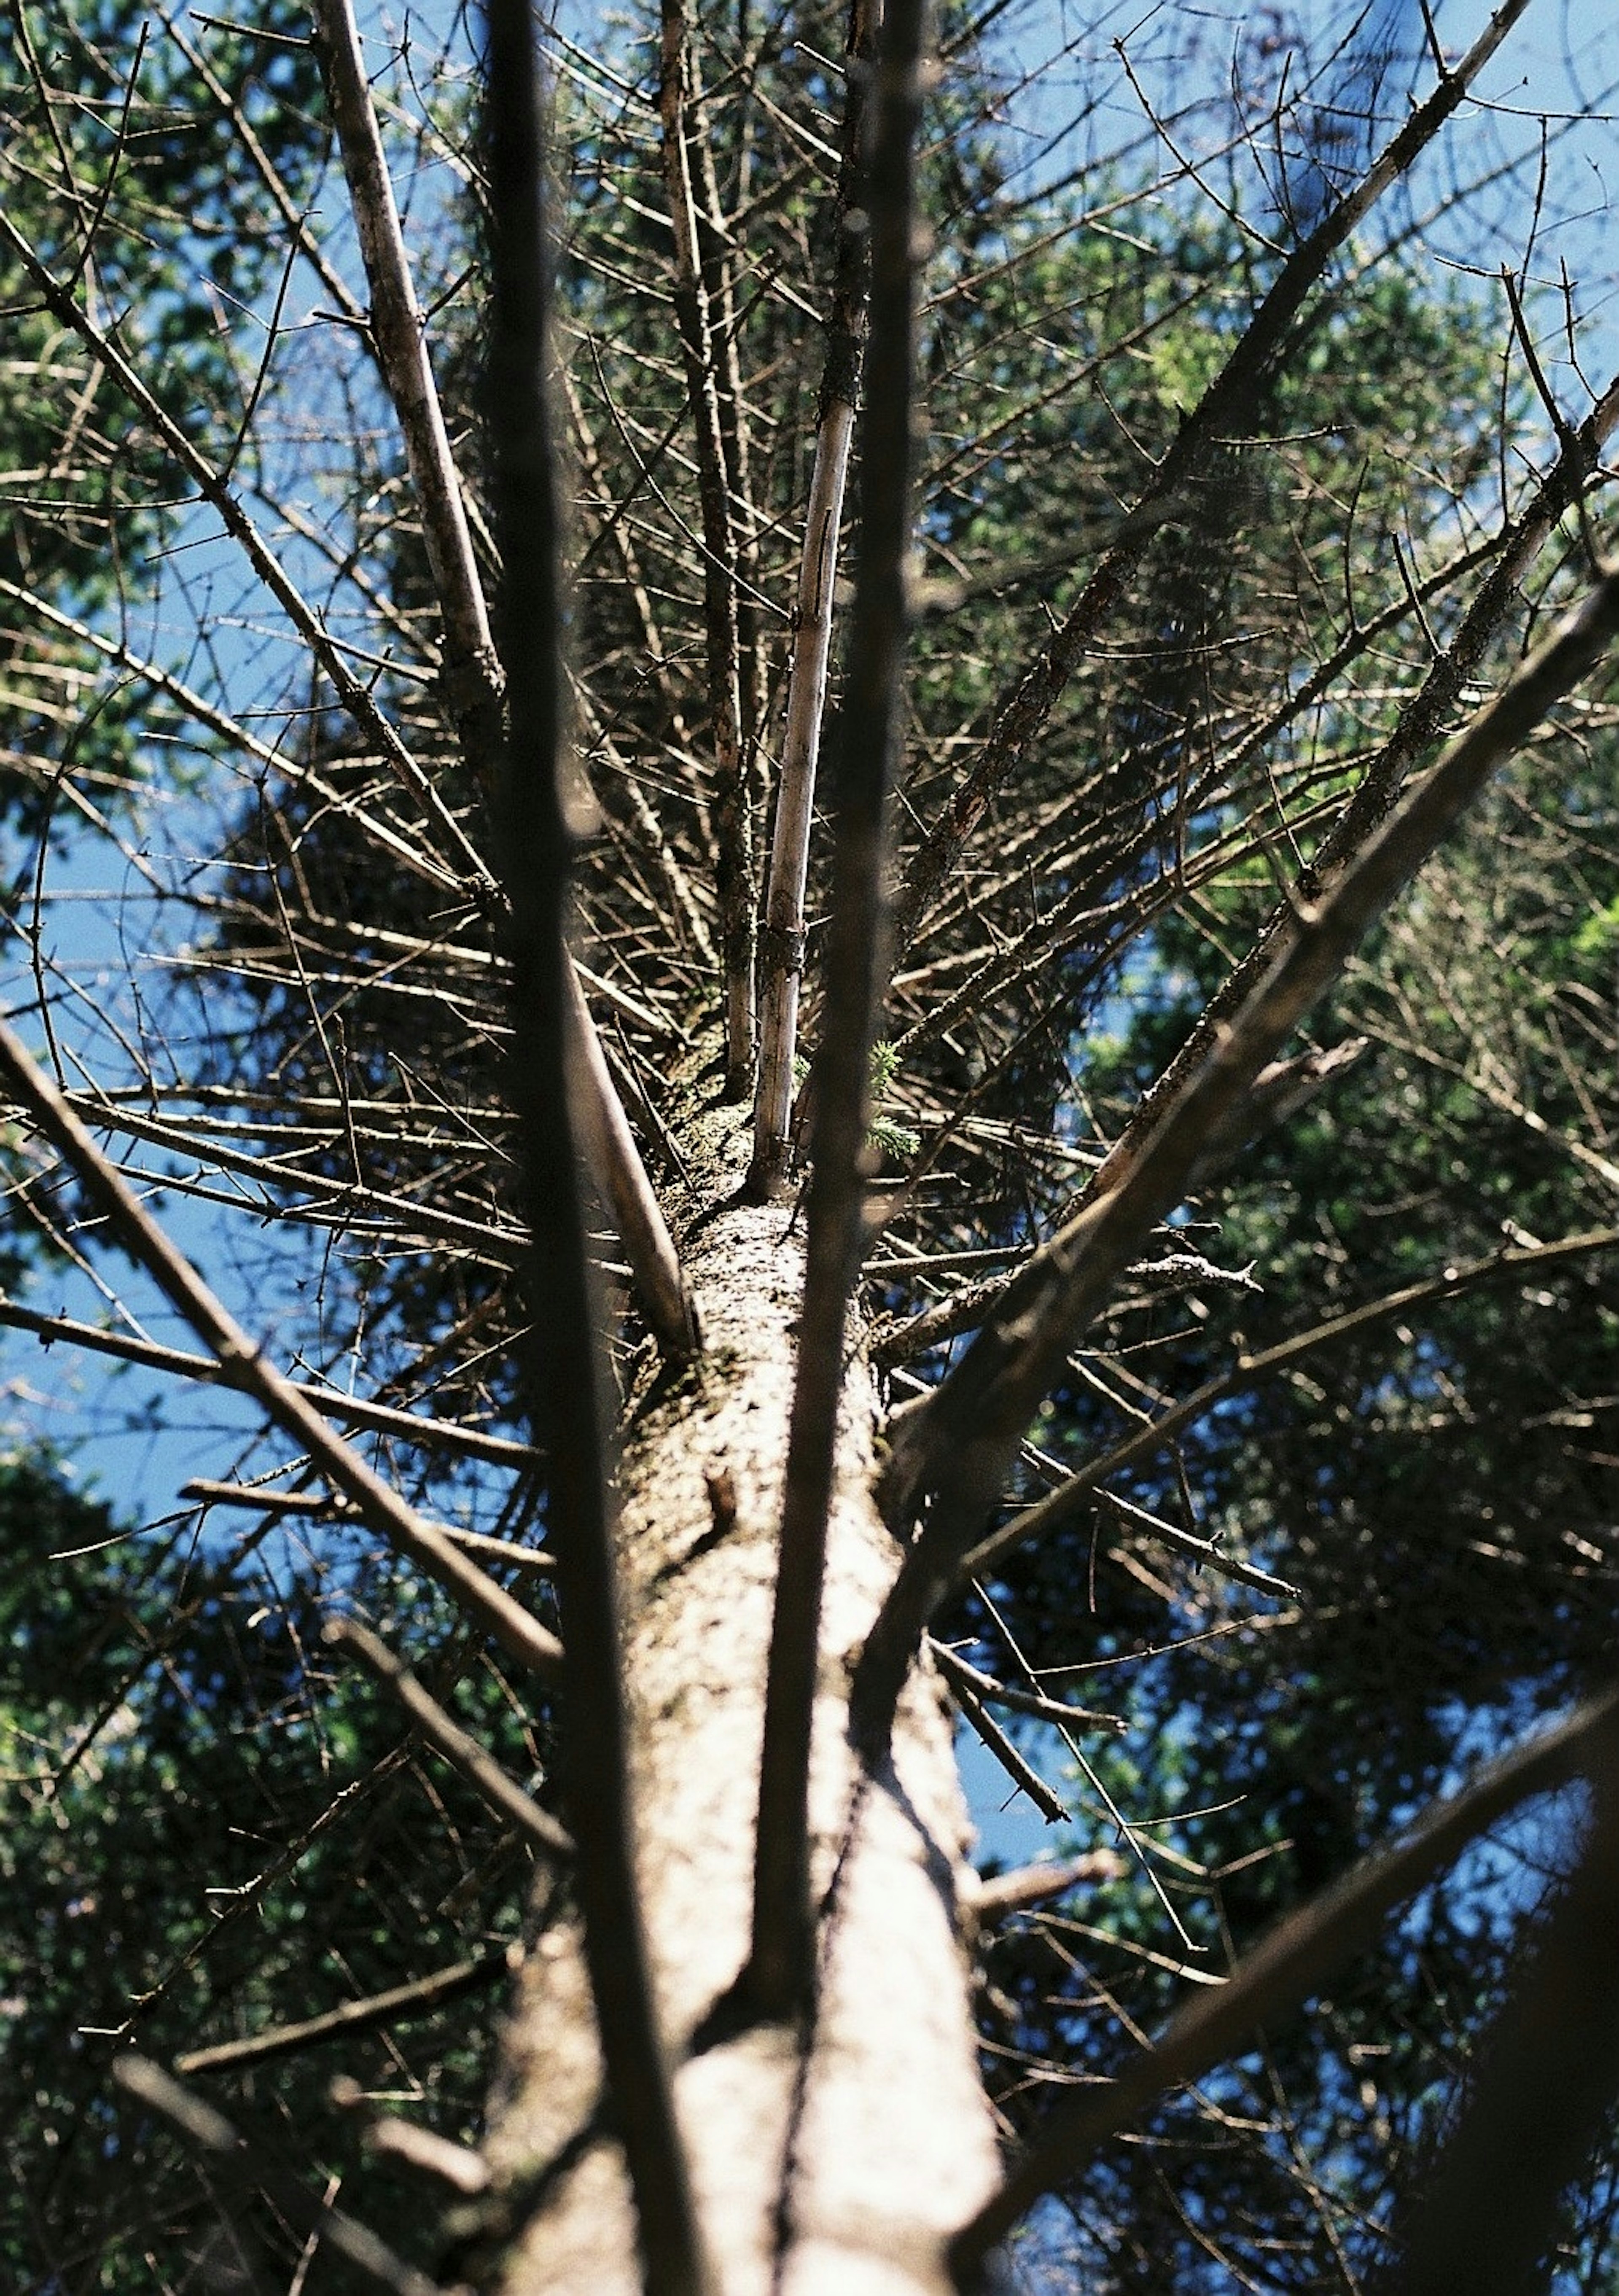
(862, 2167)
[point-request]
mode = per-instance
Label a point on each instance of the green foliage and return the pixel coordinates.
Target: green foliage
(205, 1832)
(123, 169)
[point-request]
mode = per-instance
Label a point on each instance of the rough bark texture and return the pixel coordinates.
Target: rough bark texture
(887, 2144)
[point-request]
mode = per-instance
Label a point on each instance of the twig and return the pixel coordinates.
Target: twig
(211, 2133)
(1203, 1551)
(962, 1676)
(355, 695)
(423, 1997)
(330, 1402)
(500, 1793)
(1298, 1957)
(1062, 1505)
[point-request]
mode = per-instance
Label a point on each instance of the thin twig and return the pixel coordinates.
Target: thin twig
(952, 1452)
(243, 1365)
(1226, 411)
(209, 2132)
(330, 1402)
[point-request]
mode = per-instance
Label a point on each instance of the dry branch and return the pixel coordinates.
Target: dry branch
(211, 2133)
(953, 1450)
(1296, 1958)
(782, 943)
(499, 1793)
(1227, 410)
(565, 1398)
(243, 1365)
(424, 1996)
(781, 1961)
(472, 678)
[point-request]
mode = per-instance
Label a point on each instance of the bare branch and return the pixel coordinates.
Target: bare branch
(1296, 1958)
(472, 675)
(424, 1996)
(781, 1961)
(501, 1795)
(1485, 2215)
(330, 1402)
(953, 1450)
(211, 2133)
(781, 949)
(1068, 1500)
(699, 342)
(643, 1230)
(1226, 410)
(354, 694)
(245, 1366)
(566, 1390)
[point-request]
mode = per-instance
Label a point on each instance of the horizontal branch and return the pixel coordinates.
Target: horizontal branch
(261, 1500)
(1068, 1500)
(1292, 1963)
(1005, 1894)
(330, 1402)
(244, 1366)
(1203, 1551)
(961, 1676)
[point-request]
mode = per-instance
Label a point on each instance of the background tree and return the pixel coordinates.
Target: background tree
(1192, 508)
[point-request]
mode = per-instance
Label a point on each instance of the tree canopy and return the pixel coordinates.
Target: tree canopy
(863, 952)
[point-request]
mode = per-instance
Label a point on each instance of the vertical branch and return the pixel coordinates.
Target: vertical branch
(471, 676)
(782, 946)
(567, 1396)
(472, 680)
(637, 1214)
(781, 1960)
(733, 829)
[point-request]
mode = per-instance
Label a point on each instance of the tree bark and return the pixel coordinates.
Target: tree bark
(861, 2166)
